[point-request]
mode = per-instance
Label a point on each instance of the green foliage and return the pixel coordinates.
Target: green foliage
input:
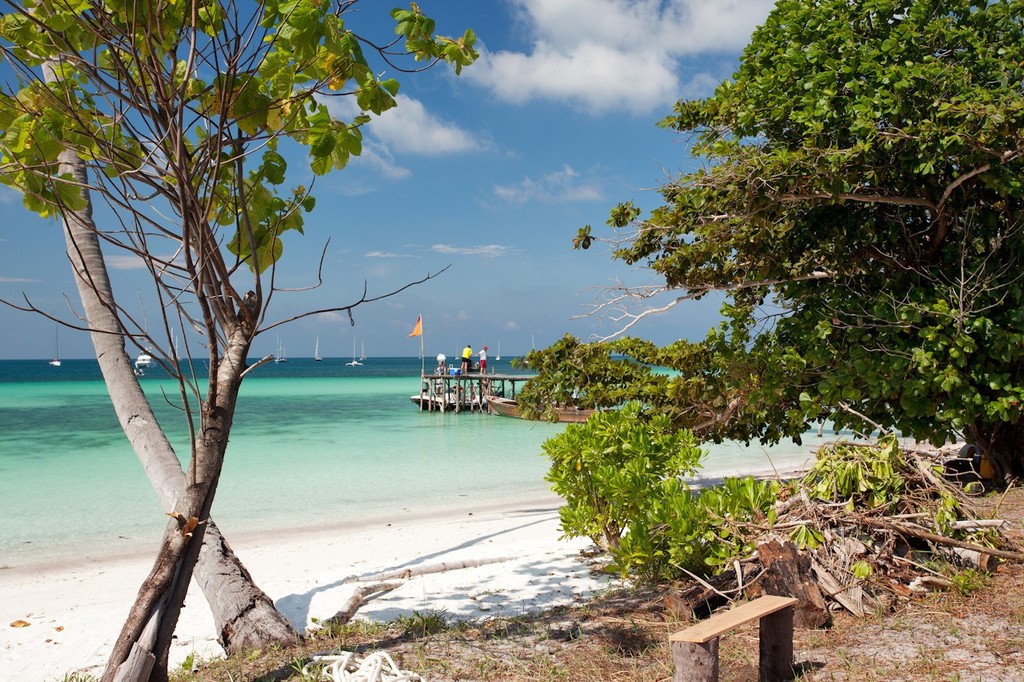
(968, 581)
(862, 570)
(235, 98)
(680, 533)
(859, 204)
(621, 474)
(608, 467)
(424, 624)
(863, 476)
(806, 537)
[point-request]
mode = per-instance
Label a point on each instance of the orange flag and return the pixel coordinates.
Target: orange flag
(418, 329)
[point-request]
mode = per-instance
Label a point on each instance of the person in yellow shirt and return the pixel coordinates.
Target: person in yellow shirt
(467, 354)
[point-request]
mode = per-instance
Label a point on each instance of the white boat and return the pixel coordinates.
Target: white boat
(362, 352)
(144, 360)
(56, 351)
(498, 356)
(316, 351)
(354, 363)
(279, 356)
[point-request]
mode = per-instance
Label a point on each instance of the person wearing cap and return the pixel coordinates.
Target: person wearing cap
(483, 360)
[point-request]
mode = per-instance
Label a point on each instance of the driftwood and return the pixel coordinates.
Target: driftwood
(406, 573)
(383, 583)
(358, 598)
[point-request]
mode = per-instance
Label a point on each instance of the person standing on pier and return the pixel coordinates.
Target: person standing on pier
(483, 360)
(467, 354)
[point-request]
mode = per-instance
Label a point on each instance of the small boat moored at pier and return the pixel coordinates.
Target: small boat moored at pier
(507, 407)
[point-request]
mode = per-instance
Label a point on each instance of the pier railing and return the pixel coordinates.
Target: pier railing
(465, 392)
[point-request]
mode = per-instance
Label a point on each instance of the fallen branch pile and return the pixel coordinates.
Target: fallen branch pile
(866, 527)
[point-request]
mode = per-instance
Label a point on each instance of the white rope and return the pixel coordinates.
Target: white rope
(346, 667)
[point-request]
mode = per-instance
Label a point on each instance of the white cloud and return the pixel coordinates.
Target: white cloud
(614, 54)
(409, 128)
(11, 280)
(510, 326)
(124, 262)
(557, 187)
(487, 250)
(387, 254)
(380, 157)
(592, 75)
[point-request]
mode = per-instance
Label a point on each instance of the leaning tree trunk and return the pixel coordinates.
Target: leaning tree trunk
(244, 615)
(141, 651)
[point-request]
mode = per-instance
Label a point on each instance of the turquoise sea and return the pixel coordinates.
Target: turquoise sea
(315, 444)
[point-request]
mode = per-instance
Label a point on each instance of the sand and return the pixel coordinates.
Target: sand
(74, 612)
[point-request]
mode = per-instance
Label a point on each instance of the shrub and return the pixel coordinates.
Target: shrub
(611, 468)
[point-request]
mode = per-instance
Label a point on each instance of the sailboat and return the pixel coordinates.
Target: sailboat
(498, 356)
(56, 351)
(279, 356)
(316, 351)
(362, 352)
(354, 363)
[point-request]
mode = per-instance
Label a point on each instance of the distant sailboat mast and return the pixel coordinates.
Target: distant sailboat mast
(316, 351)
(354, 363)
(56, 351)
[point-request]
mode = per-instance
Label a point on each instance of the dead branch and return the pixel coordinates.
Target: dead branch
(358, 598)
(904, 529)
(406, 573)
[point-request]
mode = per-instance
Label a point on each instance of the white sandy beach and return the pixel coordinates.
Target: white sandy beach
(74, 612)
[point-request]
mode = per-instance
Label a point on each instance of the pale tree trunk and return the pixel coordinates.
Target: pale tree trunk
(146, 635)
(245, 616)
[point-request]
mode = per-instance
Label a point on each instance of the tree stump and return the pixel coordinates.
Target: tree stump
(788, 573)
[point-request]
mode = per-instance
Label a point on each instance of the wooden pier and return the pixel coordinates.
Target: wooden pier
(464, 392)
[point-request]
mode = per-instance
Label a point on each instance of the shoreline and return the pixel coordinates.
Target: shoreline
(74, 612)
(74, 608)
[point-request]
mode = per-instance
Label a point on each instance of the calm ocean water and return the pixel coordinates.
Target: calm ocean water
(314, 444)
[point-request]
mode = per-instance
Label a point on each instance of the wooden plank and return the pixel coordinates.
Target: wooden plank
(727, 620)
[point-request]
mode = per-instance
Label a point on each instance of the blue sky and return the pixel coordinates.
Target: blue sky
(490, 173)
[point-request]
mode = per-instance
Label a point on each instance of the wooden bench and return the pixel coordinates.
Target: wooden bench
(695, 649)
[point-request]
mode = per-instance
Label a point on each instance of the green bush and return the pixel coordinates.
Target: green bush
(610, 468)
(621, 475)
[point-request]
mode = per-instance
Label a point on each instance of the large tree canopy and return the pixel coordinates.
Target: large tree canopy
(860, 205)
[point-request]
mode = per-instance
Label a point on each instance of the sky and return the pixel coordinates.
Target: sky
(489, 174)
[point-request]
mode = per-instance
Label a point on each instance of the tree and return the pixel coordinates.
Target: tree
(179, 116)
(245, 617)
(859, 204)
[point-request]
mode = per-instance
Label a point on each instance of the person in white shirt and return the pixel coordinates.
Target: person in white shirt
(483, 360)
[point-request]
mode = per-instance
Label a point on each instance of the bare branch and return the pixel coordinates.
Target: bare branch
(617, 308)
